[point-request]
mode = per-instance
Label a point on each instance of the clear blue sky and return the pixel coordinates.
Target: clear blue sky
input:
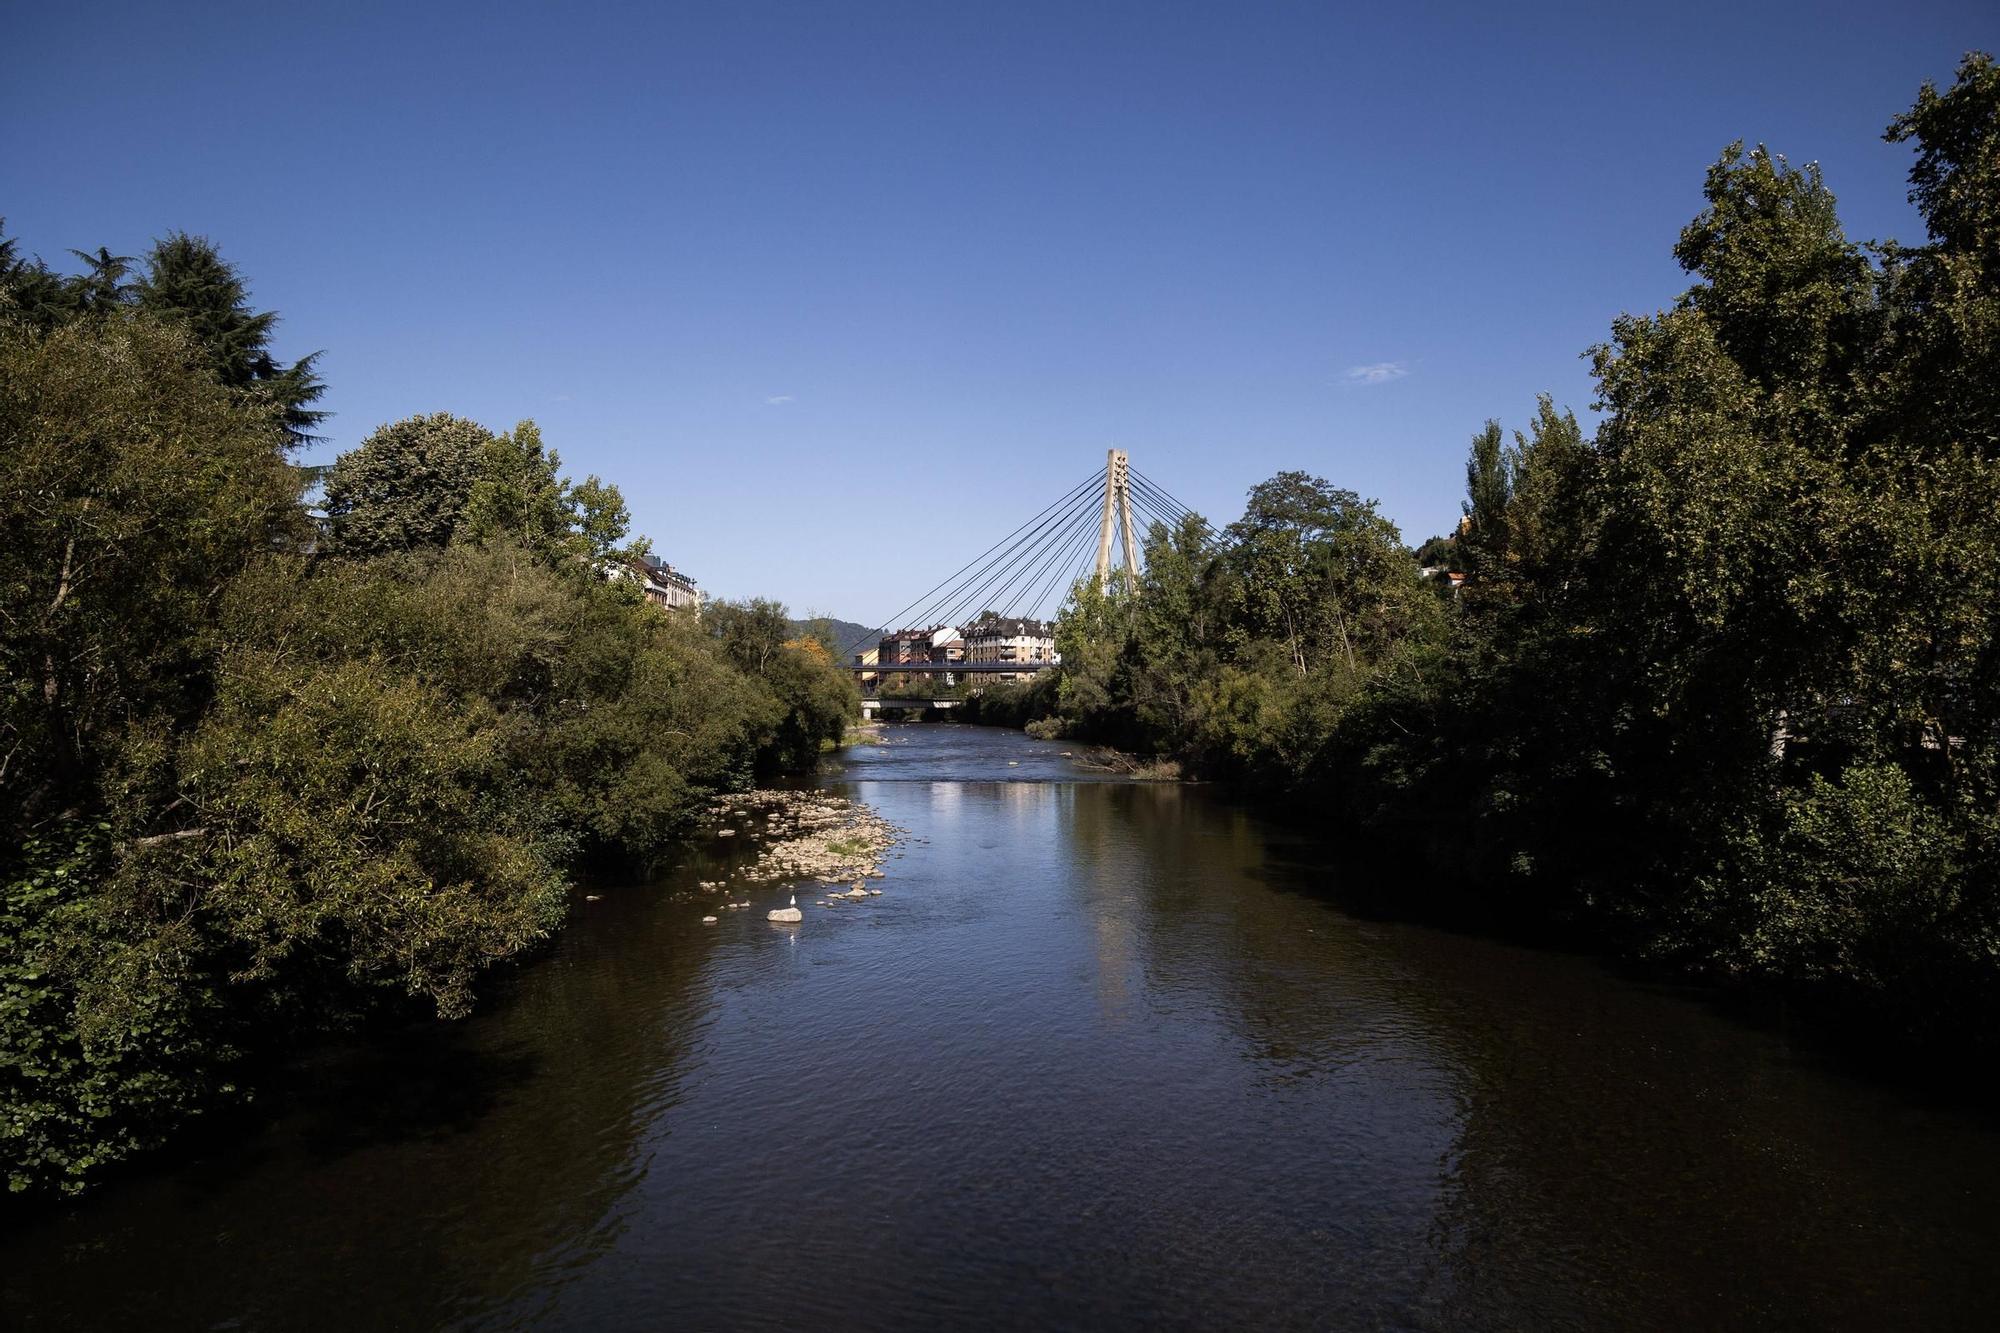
(838, 293)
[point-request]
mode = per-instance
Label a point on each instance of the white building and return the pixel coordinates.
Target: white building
(661, 582)
(997, 640)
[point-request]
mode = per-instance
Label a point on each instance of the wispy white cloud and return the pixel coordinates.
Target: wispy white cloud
(778, 400)
(1381, 372)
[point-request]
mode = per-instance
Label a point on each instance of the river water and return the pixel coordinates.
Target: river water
(1103, 1055)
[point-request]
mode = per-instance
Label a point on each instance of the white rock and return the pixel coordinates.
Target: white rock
(708, 921)
(784, 914)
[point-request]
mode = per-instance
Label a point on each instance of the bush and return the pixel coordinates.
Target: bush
(1858, 890)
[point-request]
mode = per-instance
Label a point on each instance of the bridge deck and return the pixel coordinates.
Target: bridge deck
(954, 668)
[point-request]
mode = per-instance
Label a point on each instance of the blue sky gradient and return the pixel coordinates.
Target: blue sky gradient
(838, 294)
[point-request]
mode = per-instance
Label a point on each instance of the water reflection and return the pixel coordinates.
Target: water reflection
(1103, 1055)
(425, 1179)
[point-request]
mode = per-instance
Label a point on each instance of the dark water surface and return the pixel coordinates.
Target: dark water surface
(1100, 1057)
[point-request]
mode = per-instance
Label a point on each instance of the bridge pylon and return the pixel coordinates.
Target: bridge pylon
(1118, 509)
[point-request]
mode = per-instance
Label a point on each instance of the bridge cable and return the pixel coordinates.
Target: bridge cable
(982, 565)
(989, 595)
(1214, 538)
(1094, 480)
(1156, 512)
(1153, 511)
(985, 582)
(1162, 500)
(1039, 569)
(1157, 489)
(1062, 566)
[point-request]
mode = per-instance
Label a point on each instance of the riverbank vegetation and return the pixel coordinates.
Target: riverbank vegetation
(1721, 687)
(265, 772)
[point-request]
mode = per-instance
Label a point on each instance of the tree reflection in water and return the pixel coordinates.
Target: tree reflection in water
(1103, 1055)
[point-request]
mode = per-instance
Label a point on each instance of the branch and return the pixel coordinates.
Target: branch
(154, 840)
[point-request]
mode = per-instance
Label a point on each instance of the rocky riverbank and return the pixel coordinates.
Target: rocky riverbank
(805, 841)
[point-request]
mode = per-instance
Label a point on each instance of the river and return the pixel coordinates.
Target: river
(1103, 1055)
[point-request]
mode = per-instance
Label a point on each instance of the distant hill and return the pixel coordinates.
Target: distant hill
(845, 632)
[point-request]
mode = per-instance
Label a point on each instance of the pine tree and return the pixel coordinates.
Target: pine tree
(188, 280)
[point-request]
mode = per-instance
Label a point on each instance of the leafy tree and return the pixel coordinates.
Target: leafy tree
(30, 292)
(409, 485)
(1724, 686)
(1439, 552)
(1091, 638)
(520, 490)
(1551, 525)
(131, 486)
(1489, 488)
(1319, 570)
(254, 791)
(1178, 629)
(811, 698)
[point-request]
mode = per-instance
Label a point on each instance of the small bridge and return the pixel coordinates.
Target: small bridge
(873, 704)
(950, 668)
(872, 707)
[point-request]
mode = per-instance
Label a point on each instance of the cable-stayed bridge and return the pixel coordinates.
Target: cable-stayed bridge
(1022, 580)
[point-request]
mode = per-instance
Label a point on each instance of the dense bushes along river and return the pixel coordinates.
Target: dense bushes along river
(1722, 685)
(263, 774)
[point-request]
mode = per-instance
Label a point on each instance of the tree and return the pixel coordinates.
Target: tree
(1440, 552)
(1489, 486)
(1551, 526)
(1784, 290)
(188, 281)
(1317, 568)
(410, 483)
(104, 287)
(520, 490)
(29, 291)
(131, 486)
(751, 632)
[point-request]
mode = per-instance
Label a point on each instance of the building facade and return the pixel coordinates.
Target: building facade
(1001, 640)
(662, 584)
(936, 645)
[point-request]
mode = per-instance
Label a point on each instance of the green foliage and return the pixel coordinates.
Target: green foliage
(104, 1048)
(1857, 887)
(187, 281)
(131, 486)
(347, 808)
(1489, 489)
(1013, 703)
(1723, 683)
(257, 785)
(810, 698)
(520, 490)
(410, 483)
(1239, 659)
